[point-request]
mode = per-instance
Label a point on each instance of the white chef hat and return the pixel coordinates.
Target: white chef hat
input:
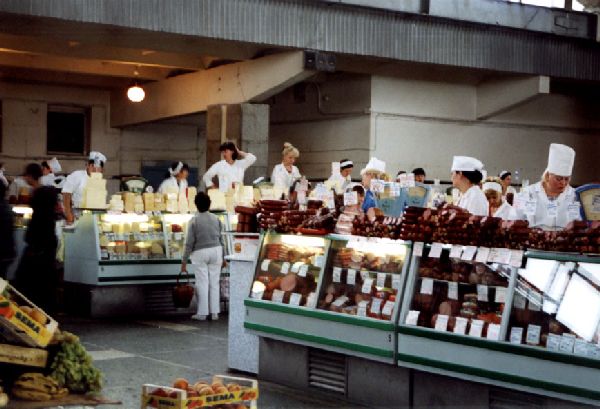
(560, 159)
(374, 165)
(492, 186)
(346, 163)
(466, 164)
(98, 158)
(54, 165)
(175, 172)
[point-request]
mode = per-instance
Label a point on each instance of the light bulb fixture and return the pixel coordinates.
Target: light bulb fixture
(135, 93)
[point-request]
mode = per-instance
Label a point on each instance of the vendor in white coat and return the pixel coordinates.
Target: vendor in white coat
(551, 203)
(177, 179)
(72, 190)
(466, 175)
(340, 181)
(498, 207)
(49, 170)
(285, 174)
(230, 169)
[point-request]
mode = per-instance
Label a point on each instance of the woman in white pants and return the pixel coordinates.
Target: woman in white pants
(204, 247)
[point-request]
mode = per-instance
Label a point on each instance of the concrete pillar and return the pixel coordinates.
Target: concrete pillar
(245, 124)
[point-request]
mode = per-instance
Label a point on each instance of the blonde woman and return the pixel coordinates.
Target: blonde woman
(285, 174)
(498, 207)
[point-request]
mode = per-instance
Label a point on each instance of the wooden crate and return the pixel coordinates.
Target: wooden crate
(15, 355)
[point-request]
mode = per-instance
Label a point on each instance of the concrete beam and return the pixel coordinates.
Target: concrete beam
(248, 81)
(499, 95)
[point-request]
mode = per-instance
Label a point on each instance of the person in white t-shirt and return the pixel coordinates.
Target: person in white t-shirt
(72, 190)
(230, 169)
(285, 173)
(467, 172)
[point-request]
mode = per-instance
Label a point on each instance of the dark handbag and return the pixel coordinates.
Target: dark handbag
(183, 293)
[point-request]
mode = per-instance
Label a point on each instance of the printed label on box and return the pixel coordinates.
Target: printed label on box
(453, 290)
(285, 268)
(476, 328)
(460, 327)
(567, 343)
(493, 332)
(295, 299)
(500, 295)
(303, 270)
(553, 342)
(482, 292)
(376, 306)
(412, 318)
(367, 285)
(427, 286)
(381, 279)
(337, 274)
(351, 276)
(516, 335)
(533, 334)
(388, 307)
(418, 249)
(441, 323)
(277, 296)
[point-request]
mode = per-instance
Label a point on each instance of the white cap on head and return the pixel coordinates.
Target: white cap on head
(54, 165)
(560, 159)
(98, 158)
(466, 164)
(374, 165)
(492, 186)
(175, 172)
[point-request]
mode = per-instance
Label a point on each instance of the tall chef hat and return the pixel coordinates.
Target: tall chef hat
(492, 186)
(466, 164)
(374, 165)
(560, 159)
(346, 164)
(54, 165)
(98, 158)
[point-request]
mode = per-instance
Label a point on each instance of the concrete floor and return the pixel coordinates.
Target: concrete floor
(158, 350)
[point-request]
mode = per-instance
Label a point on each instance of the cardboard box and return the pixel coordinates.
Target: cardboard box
(15, 355)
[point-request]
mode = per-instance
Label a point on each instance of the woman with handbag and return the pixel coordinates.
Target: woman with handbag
(204, 247)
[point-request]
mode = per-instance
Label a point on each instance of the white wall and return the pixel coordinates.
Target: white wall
(424, 123)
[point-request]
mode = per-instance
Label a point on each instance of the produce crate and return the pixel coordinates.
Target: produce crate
(15, 355)
(16, 326)
(179, 399)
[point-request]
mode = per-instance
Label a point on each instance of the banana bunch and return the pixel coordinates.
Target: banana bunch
(3, 398)
(37, 387)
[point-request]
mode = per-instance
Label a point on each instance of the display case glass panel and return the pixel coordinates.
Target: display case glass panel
(461, 297)
(556, 305)
(130, 236)
(364, 277)
(176, 227)
(289, 268)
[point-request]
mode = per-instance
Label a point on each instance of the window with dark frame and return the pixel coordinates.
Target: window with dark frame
(68, 130)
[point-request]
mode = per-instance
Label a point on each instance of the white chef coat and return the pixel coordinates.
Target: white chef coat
(339, 180)
(283, 179)
(171, 182)
(504, 211)
(228, 174)
(549, 213)
(48, 180)
(75, 184)
(474, 201)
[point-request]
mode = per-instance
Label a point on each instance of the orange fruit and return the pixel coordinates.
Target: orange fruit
(181, 383)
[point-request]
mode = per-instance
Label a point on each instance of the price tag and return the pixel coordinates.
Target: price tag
(500, 295)
(285, 268)
(516, 258)
(337, 274)
(552, 208)
(581, 347)
(277, 296)
(396, 281)
(516, 335)
(351, 276)
(311, 300)
(367, 285)
(574, 210)
(296, 266)
(533, 334)
(519, 301)
(441, 323)
(381, 279)
(567, 343)
(460, 326)
(427, 286)
(493, 332)
(350, 198)
(482, 255)
(436, 250)
(412, 318)
(264, 266)
(456, 251)
(388, 308)
(361, 311)
(468, 253)
(303, 270)
(482, 292)
(340, 301)
(530, 207)
(295, 299)
(553, 342)
(452, 290)
(476, 328)
(377, 186)
(418, 249)
(376, 306)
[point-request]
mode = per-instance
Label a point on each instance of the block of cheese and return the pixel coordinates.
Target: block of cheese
(217, 200)
(129, 200)
(191, 197)
(148, 202)
(138, 204)
(94, 192)
(172, 202)
(116, 203)
(159, 202)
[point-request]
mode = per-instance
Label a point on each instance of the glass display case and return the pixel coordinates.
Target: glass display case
(131, 237)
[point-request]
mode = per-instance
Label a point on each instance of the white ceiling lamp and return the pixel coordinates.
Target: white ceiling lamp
(136, 93)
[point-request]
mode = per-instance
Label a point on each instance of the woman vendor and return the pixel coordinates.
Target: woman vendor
(551, 203)
(466, 175)
(176, 179)
(498, 207)
(285, 174)
(340, 181)
(374, 169)
(230, 169)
